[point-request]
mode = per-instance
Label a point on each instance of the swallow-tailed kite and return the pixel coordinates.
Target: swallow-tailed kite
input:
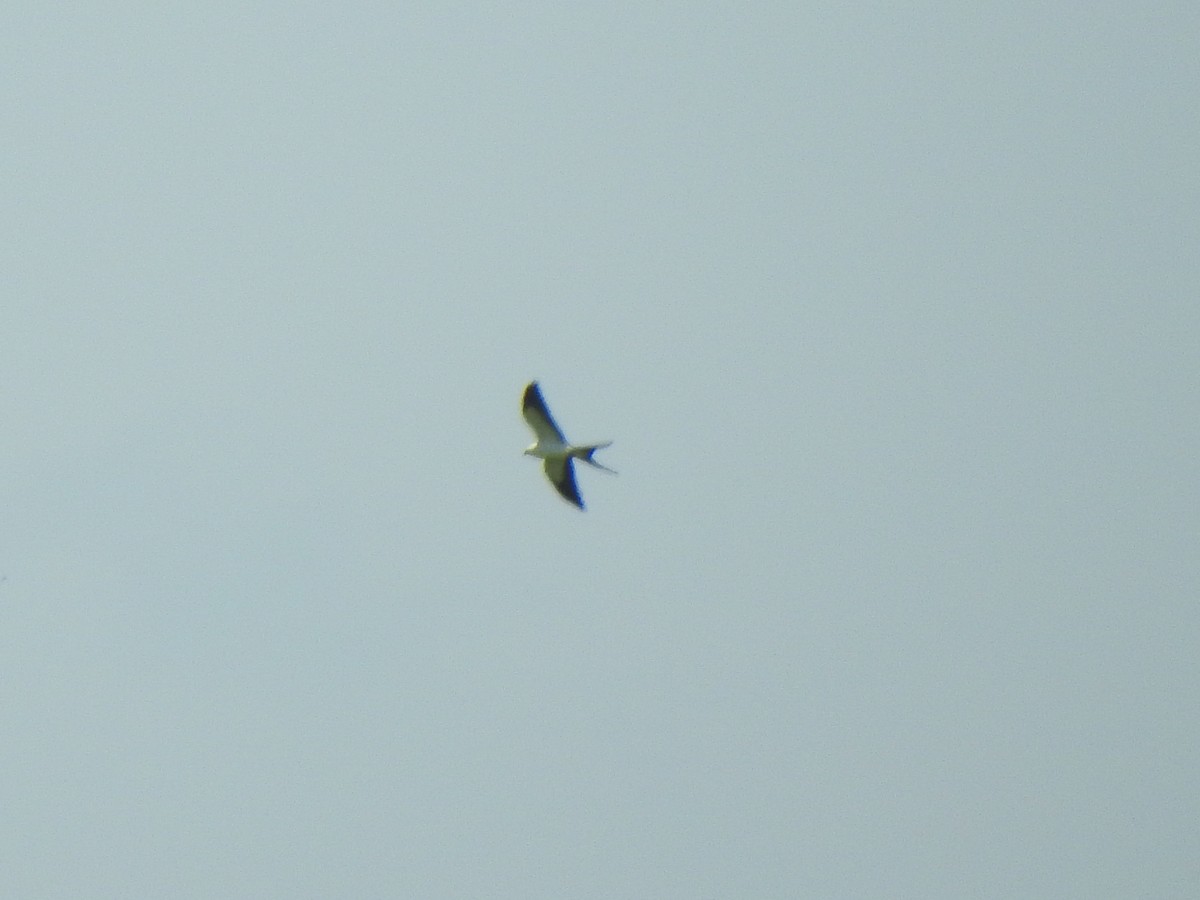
(553, 448)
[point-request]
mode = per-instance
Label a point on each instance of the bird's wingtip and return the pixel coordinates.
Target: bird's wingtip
(532, 396)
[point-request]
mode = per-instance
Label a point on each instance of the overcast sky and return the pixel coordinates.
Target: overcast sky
(892, 314)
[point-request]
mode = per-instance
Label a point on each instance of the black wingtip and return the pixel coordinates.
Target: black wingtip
(532, 396)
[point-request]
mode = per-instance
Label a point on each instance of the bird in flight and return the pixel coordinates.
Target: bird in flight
(553, 449)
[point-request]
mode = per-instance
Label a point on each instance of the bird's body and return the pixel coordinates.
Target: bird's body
(553, 448)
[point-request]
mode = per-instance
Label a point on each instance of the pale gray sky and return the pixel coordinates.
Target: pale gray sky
(892, 314)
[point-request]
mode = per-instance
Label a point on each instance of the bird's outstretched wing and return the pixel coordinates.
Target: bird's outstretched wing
(538, 416)
(561, 473)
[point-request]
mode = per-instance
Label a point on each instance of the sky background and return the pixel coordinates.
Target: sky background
(892, 313)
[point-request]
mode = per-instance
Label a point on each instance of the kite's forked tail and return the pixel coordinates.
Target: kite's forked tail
(585, 452)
